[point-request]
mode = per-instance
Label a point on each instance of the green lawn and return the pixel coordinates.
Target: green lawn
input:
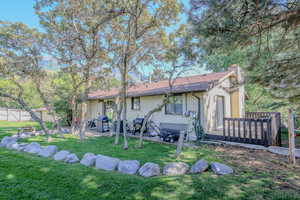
(9, 128)
(24, 176)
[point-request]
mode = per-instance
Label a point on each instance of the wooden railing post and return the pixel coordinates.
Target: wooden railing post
(291, 126)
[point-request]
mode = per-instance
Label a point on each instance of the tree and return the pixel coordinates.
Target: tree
(175, 64)
(19, 62)
(135, 41)
(265, 32)
(75, 32)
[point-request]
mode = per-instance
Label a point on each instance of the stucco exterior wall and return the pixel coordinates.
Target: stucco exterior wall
(210, 100)
(190, 103)
(95, 107)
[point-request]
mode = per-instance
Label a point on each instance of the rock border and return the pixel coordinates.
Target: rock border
(131, 167)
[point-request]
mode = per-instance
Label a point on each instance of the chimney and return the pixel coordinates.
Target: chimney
(233, 67)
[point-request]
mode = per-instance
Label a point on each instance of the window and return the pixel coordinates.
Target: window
(219, 111)
(175, 106)
(135, 103)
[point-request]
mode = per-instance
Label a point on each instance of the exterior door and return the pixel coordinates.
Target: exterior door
(235, 104)
(220, 112)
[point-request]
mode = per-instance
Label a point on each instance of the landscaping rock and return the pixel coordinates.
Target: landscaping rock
(65, 130)
(12, 146)
(175, 168)
(8, 140)
(106, 162)
(24, 135)
(128, 166)
(48, 151)
(72, 158)
(199, 166)
(33, 148)
(41, 132)
(53, 132)
(21, 146)
(61, 155)
(221, 169)
(149, 169)
(88, 159)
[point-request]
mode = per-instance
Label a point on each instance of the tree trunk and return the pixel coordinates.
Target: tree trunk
(180, 143)
(32, 114)
(84, 108)
(124, 126)
(49, 108)
(124, 87)
(147, 117)
(291, 127)
(74, 114)
(118, 128)
(35, 118)
(83, 120)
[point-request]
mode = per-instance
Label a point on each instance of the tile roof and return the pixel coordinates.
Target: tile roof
(184, 84)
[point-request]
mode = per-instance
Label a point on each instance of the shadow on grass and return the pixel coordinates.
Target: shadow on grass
(23, 176)
(152, 152)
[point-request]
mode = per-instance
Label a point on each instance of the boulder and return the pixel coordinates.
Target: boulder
(65, 130)
(88, 159)
(41, 132)
(8, 140)
(21, 146)
(48, 151)
(128, 166)
(72, 158)
(199, 166)
(12, 146)
(221, 169)
(33, 148)
(61, 155)
(149, 169)
(53, 132)
(175, 168)
(24, 135)
(106, 162)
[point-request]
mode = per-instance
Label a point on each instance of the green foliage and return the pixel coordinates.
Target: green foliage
(261, 36)
(30, 95)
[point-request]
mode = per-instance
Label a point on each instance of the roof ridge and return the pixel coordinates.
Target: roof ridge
(146, 86)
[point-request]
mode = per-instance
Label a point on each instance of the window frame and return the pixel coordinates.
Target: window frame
(133, 103)
(174, 106)
(217, 125)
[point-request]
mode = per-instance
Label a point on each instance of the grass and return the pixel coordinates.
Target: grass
(9, 128)
(24, 176)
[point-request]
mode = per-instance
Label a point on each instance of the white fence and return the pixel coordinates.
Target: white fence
(7, 114)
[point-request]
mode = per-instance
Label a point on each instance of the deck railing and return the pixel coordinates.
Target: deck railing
(275, 124)
(246, 130)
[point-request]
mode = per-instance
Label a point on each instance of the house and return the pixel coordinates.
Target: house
(211, 96)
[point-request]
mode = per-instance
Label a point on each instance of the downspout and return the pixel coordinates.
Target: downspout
(199, 105)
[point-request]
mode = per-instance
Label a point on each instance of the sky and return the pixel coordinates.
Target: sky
(22, 11)
(19, 11)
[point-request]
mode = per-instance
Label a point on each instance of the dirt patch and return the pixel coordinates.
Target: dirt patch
(262, 162)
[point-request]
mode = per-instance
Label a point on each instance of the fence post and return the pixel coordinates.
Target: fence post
(291, 124)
